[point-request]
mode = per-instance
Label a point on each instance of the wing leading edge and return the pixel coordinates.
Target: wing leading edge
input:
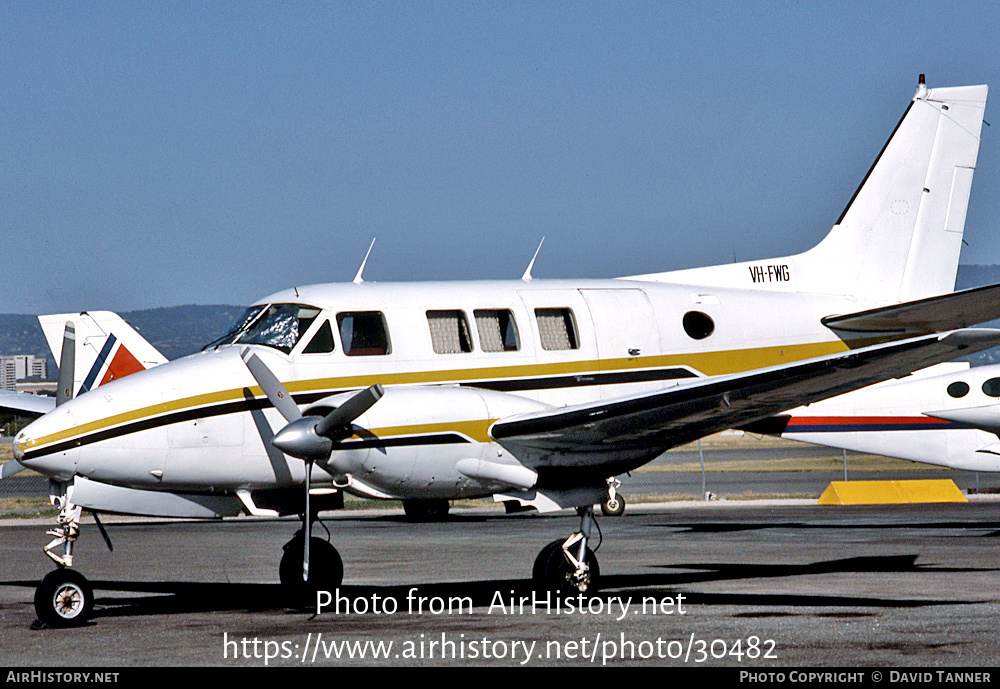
(612, 436)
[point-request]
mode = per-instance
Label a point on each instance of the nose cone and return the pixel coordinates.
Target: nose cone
(55, 461)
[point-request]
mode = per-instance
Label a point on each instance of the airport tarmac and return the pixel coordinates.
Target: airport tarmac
(738, 584)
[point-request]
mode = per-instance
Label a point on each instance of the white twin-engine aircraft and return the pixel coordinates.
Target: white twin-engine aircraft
(948, 415)
(526, 390)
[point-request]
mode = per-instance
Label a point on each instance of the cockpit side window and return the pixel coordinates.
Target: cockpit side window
(322, 341)
(363, 333)
(278, 325)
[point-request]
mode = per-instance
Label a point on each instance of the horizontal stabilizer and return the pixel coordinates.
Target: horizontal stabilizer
(934, 314)
(985, 418)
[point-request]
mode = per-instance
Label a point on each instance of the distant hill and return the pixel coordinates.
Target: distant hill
(174, 330)
(180, 330)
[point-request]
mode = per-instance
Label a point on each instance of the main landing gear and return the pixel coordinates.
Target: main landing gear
(305, 570)
(326, 569)
(569, 566)
(613, 505)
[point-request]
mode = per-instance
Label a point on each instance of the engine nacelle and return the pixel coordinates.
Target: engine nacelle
(410, 443)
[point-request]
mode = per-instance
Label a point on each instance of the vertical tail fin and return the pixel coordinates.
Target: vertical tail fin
(900, 236)
(106, 347)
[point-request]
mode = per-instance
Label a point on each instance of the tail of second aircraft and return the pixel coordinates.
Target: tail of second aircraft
(106, 347)
(900, 236)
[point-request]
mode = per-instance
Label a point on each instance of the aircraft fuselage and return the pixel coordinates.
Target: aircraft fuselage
(454, 357)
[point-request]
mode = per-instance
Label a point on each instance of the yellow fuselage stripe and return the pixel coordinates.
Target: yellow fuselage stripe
(707, 363)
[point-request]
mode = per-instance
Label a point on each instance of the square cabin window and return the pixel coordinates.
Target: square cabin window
(449, 332)
(497, 330)
(556, 329)
(363, 333)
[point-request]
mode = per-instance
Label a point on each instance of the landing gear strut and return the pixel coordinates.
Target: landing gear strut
(569, 566)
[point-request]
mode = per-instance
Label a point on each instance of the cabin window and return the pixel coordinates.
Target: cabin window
(557, 329)
(958, 389)
(698, 325)
(449, 332)
(322, 341)
(363, 333)
(497, 330)
(992, 387)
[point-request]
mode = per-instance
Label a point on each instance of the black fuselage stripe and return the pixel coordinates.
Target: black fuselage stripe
(252, 404)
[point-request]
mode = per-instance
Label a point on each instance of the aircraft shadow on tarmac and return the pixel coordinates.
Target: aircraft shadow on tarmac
(192, 597)
(973, 529)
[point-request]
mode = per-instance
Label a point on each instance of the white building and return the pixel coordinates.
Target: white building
(19, 367)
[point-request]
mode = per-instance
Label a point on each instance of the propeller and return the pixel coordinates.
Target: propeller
(309, 438)
(67, 364)
(64, 393)
(10, 468)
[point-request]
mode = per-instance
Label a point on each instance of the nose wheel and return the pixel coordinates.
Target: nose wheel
(64, 598)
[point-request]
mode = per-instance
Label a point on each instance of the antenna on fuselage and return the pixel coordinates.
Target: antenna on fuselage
(357, 278)
(527, 271)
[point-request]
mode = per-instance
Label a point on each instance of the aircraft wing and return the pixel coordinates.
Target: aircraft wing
(934, 314)
(626, 432)
(24, 404)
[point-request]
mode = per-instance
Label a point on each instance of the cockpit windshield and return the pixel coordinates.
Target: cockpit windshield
(276, 325)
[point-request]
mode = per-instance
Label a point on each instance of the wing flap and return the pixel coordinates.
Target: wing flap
(931, 315)
(632, 430)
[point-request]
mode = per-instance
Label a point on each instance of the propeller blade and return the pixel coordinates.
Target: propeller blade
(338, 422)
(307, 525)
(10, 468)
(67, 362)
(272, 387)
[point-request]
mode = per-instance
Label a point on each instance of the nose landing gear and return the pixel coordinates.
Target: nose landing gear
(64, 598)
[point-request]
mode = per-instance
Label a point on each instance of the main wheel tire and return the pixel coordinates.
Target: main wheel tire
(426, 510)
(326, 569)
(613, 507)
(552, 572)
(64, 598)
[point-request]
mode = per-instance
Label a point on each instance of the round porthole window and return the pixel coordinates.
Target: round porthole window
(698, 325)
(958, 389)
(992, 387)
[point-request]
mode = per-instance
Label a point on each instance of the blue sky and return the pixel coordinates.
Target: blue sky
(165, 153)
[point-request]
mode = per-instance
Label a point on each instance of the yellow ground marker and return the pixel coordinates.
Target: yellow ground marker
(890, 492)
